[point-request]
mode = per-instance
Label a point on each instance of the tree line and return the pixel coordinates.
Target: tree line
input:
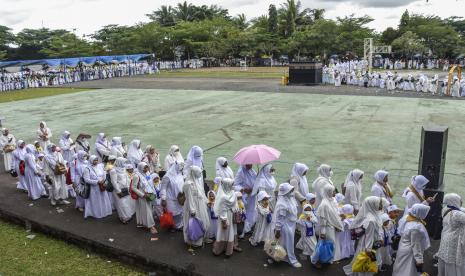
(190, 31)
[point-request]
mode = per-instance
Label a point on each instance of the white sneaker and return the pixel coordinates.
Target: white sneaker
(297, 265)
(65, 202)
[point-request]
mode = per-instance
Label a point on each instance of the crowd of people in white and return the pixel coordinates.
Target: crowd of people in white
(112, 177)
(355, 73)
(49, 76)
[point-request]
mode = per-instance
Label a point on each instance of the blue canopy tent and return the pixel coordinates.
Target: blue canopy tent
(73, 62)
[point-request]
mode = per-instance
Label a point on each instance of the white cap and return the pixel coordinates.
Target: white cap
(393, 208)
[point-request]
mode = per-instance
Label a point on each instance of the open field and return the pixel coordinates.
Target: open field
(33, 93)
(228, 72)
(43, 255)
(347, 132)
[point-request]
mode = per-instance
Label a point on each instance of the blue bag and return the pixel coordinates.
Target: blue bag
(324, 252)
(308, 230)
(195, 229)
(269, 217)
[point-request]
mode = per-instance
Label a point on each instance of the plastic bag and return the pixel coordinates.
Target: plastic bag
(324, 252)
(274, 250)
(166, 220)
(195, 229)
(364, 263)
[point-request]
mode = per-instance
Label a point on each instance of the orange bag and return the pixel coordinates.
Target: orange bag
(166, 220)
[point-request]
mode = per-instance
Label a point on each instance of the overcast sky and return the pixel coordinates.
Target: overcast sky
(87, 16)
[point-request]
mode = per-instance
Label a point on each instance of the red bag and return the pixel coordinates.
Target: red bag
(22, 167)
(133, 194)
(166, 220)
(68, 177)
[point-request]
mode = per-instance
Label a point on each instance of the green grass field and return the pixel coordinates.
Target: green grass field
(346, 132)
(43, 255)
(18, 95)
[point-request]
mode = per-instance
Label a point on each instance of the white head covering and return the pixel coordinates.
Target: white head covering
(310, 196)
(380, 175)
(134, 152)
(195, 177)
(265, 180)
(392, 208)
(174, 174)
(452, 199)
(195, 157)
(328, 207)
(101, 139)
(116, 141)
(420, 211)
(226, 198)
(419, 182)
(65, 136)
(223, 171)
(347, 209)
(354, 177)
(339, 198)
(298, 171)
(262, 195)
(120, 165)
(384, 217)
(91, 160)
(324, 170)
(368, 213)
(286, 202)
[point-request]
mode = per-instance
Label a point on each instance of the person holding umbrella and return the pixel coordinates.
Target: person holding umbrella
(244, 183)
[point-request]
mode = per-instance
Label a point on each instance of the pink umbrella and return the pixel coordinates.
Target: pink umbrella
(256, 154)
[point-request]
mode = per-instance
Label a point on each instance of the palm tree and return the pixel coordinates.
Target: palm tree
(241, 21)
(164, 16)
(185, 12)
(292, 17)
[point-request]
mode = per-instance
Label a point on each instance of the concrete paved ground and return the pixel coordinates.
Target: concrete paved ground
(344, 131)
(166, 256)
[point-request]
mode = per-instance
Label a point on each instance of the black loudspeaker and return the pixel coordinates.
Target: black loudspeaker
(305, 73)
(434, 218)
(433, 155)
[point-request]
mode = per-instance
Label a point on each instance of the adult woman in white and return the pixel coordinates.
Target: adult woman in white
(77, 170)
(265, 180)
(171, 188)
(174, 155)
(285, 218)
(140, 186)
(18, 157)
(452, 248)
(98, 204)
(7, 146)
(381, 186)
(414, 193)
(367, 218)
(124, 204)
(329, 219)
(194, 158)
(299, 172)
(223, 170)
(353, 189)
(224, 208)
(32, 175)
(152, 158)
(195, 204)
(414, 242)
(325, 172)
(44, 134)
(117, 148)
(102, 147)
(59, 189)
(134, 152)
(67, 147)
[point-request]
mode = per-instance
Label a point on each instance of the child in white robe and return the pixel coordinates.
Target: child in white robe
(263, 227)
(383, 253)
(156, 203)
(211, 231)
(345, 239)
(306, 223)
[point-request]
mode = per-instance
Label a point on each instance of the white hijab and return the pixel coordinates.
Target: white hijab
(195, 157)
(328, 208)
(420, 211)
(134, 152)
(298, 171)
(354, 177)
(286, 202)
(226, 198)
(265, 180)
(368, 213)
(174, 174)
(451, 200)
(225, 172)
(195, 177)
(66, 138)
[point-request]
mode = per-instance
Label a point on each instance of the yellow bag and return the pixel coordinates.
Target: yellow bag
(363, 263)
